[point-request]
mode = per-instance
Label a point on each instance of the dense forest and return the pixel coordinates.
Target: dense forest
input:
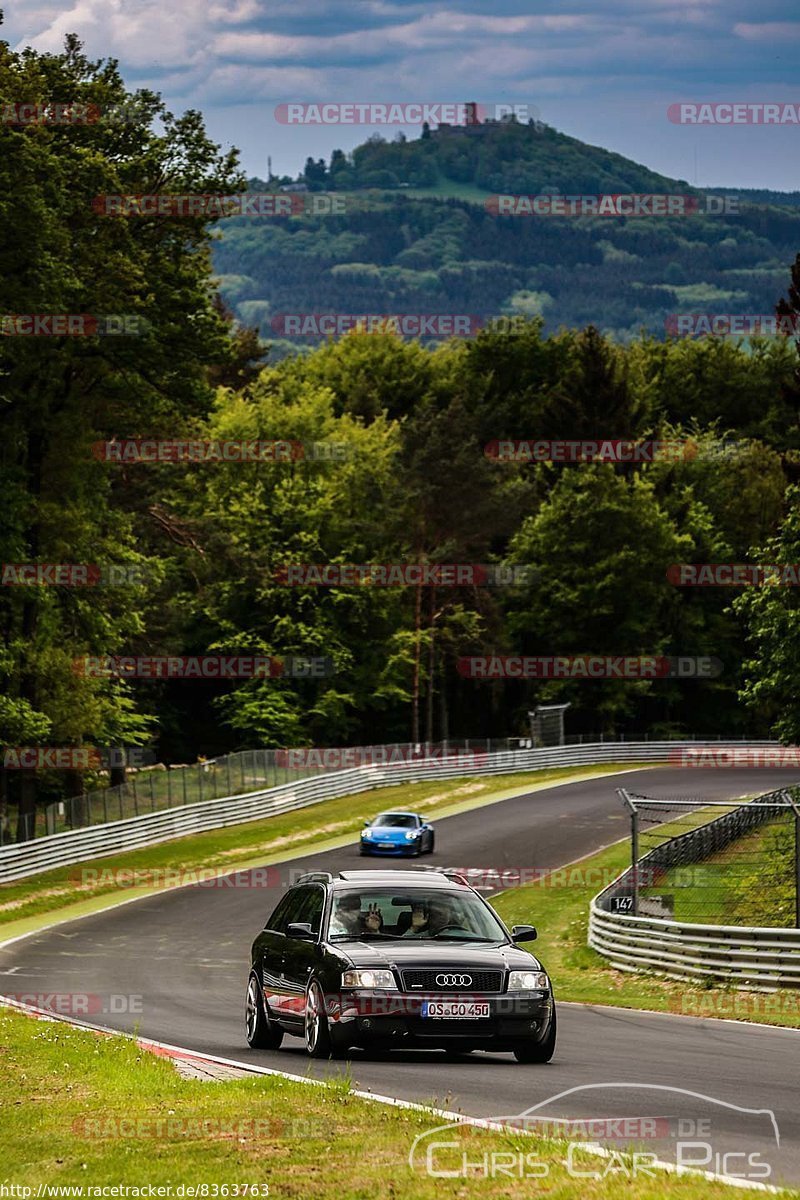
(410, 481)
(420, 234)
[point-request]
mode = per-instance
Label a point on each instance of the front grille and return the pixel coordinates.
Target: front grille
(456, 980)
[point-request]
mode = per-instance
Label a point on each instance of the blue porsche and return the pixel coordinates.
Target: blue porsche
(397, 833)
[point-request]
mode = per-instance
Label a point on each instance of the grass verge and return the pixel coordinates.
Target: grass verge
(87, 1111)
(558, 905)
(76, 890)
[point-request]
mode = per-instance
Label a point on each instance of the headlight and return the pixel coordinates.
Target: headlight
(368, 979)
(526, 981)
(367, 834)
(412, 833)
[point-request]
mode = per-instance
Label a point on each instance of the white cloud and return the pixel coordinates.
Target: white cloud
(237, 84)
(768, 31)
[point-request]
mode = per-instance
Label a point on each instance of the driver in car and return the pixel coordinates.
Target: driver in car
(429, 919)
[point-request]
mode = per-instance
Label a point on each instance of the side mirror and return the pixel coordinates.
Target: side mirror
(520, 933)
(300, 929)
(367, 823)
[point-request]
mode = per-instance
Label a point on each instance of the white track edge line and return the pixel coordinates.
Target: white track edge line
(487, 1123)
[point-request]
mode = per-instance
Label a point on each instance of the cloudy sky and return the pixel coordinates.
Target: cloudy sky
(604, 71)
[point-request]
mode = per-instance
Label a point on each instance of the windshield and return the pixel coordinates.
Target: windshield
(421, 914)
(396, 820)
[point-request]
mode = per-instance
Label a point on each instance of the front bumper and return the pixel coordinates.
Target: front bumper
(364, 1018)
(397, 849)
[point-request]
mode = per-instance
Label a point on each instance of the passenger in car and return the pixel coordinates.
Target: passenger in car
(348, 918)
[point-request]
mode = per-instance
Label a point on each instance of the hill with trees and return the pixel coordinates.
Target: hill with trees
(419, 235)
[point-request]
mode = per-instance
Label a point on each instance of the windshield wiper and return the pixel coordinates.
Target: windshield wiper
(450, 938)
(358, 937)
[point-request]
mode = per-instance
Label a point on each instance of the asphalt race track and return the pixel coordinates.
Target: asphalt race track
(186, 953)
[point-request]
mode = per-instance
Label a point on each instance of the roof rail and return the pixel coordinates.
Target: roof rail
(315, 877)
(454, 873)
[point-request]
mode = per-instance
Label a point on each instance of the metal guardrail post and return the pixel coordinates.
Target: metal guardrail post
(796, 811)
(635, 857)
(625, 798)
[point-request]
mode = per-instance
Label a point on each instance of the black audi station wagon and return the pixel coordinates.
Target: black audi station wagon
(394, 960)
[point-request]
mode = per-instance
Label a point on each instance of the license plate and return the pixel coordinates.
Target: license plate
(386, 845)
(463, 1009)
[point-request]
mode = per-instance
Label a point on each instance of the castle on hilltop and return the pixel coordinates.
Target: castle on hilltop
(472, 124)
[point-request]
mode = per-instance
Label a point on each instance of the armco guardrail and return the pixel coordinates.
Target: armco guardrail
(153, 788)
(78, 845)
(742, 956)
(748, 957)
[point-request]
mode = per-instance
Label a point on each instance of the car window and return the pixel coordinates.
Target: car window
(310, 910)
(349, 913)
(286, 910)
(421, 913)
(397, 820)
(276, 919)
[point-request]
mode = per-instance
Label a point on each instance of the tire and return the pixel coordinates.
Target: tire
(316, 1031)
(260, 1031)
(538, 1052)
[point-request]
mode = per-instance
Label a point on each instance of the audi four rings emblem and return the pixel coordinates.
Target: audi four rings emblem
(453, 980)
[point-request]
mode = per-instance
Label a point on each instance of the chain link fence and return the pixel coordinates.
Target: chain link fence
(153, 789)
(713, 863)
